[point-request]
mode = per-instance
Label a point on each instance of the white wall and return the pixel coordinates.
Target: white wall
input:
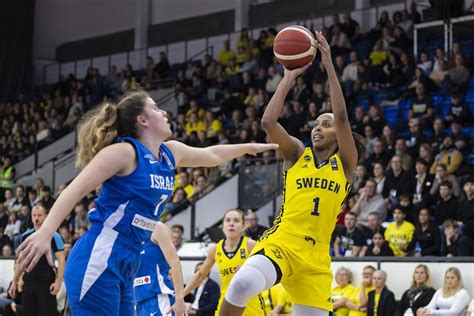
(59, 21)
(169, 10)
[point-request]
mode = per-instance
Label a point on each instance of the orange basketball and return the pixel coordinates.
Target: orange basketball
(294, 46)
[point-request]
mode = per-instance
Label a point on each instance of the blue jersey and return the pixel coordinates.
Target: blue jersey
(152, 277)
(129, 206)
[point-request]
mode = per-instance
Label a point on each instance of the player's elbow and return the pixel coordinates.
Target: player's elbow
(267, 122)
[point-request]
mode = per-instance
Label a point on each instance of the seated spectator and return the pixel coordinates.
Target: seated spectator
(47, 200)
(7, 250)
(449, 155)
(252, 228)
(226, 54)
(351, 27)
(426, 239)
(25, 218)
(380, 301)
(378, 246)
(9, 199)
(356, 300)
(416, 137)
(447, 204)
(177, 239)
(462, 141)
(419, 294)
(182, 181)
(465, 213)
(162, 67)
(420, 185)
(436, 139)
(82, 220)
(369, 201)
(422, 106)
(440, 176)
(273, 80)
(195, 124)
(4, 239)
(349, 74)
(213, 125)
(459, 110)
(339, 41)
(439, 74)
(397, 182)
(20, 199)
(425, 152)
(206, 296)
(350, 240)
(379, 176)
(375, 119)
(451, 299)
(399, 233)
(458, 75)
(13, 225)
(343, 280)
(400, 148)
(406, 23)
(456, 244)
(380, 155)
(359, 178)
(425, 63)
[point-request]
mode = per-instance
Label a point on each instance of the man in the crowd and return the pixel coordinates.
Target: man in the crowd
(43, 282)
(252, 228)
(350, 240)
(369, 201)
(206, 296)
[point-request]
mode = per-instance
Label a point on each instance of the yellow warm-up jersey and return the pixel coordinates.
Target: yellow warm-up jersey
(312, 198)
(228, 264)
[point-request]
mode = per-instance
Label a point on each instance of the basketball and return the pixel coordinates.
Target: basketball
(294, 47)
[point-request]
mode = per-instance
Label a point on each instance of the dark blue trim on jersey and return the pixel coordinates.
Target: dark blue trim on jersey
(227, 253)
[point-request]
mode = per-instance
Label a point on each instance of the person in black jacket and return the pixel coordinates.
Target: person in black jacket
(380, 301)
(420, 292)
(427, 238)
(379, 247)
(205, 298)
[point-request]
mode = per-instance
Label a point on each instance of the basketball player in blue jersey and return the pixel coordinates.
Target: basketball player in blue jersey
(123, 148)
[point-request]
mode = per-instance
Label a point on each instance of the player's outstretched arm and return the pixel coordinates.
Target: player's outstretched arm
(290, 147)
(161, 236)
(187, 156)
(345, 140)
(112, 160)
(203, 272)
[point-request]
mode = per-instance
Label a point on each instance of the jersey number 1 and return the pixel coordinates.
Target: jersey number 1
(316, 207)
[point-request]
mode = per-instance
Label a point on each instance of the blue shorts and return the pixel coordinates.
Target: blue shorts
(99, 275)
(156, 306)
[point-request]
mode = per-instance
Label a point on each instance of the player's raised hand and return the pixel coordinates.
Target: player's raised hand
(324, 48)
(294, 73)
(255, 149)
(32, 249)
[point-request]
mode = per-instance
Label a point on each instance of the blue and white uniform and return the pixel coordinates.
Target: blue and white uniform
(102, 265)
(154, 292)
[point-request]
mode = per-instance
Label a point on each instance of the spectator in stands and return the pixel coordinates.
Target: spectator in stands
(25, 218)
(379, 176)
(349, 74)
(425, 152)
(38, 187)
(9, 199)
(451, 299)
(399, 233)
(359, 178)
(351, 27)
(339, 41)
(82, 220)
(375, 119)
(420, 185)
(448, 155)
(378, 246)
(400, 149)
(447, 204)
(380, 301)
(456, 244)
(20, 199)
(461, 140)
(387, 38)
(370, 139)
(273, 80)
(458, 75)
(344, 287)
(465, 213)
(425, 63)
(7, 173)
(419, 294)
(201, 185)
(369, 201)
(227, 54)
(43, 282)
(33, 198)
(426, 239)
(350, 240)
(47, 200)
(252, 228)
(377, 58)
(443, 175)
(406, 23)
(4, 239)
(162, 68)
(397, 181)
(177, 239)
(7, 250)
(416, 137)
(438, 74)
(422, 106)
(206, 296)
(356, 300)
(13, 225)
(358, 120)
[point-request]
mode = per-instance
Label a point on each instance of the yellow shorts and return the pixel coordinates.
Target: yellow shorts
(305, 268)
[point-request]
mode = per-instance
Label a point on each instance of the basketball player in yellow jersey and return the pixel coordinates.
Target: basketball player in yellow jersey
(295, 250)
(229, 254)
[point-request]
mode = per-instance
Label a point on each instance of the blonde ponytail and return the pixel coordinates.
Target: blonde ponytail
(96, 130)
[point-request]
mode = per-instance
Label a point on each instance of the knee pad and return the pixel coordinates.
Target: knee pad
(257, 274)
